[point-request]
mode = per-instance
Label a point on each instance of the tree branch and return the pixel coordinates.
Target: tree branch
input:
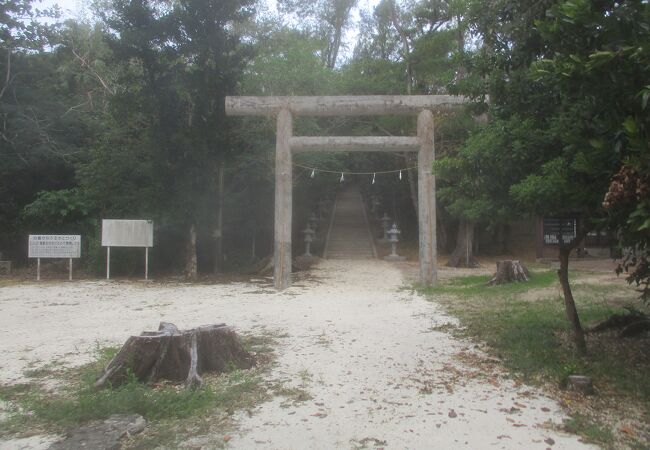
(8, 76)
(85, 64)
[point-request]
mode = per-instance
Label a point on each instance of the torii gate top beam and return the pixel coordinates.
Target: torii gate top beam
(342, 105)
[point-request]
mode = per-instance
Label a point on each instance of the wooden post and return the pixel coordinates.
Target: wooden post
(38, 269)
(70, 269)
(108, 263)
(427, 199)
(283, 201)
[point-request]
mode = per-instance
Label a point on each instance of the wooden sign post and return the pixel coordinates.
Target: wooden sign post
(285, 108)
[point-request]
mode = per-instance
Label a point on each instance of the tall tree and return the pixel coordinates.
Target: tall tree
(43, 129)
(176, 65)
(328, 19)
(567, 87)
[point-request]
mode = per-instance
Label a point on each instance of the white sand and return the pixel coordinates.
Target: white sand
(364, 348)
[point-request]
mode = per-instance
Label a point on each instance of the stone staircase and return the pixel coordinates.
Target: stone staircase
(349, 235)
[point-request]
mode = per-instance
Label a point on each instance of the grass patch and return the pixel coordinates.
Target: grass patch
(474, 285)
(526, 326)
(165, 406)
(293, 395)
(591, 431)
(532, 335)
(13, 391)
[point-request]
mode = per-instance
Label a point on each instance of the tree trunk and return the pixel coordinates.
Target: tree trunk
(441, 230)
(406, 45)
(218, 232)
(502, 231)
(463, 255)
(461, 44)
(176, 355)
(569, 303)
(191, 269)
(341, 15)
(411, 160)
(253, 243)
(509, 272)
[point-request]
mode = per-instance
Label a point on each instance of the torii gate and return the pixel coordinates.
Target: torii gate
(365, 105)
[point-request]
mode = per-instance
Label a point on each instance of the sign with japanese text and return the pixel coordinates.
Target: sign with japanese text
(54, 246)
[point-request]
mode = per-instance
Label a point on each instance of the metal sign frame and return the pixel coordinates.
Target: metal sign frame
(127, 233)
(51, 246)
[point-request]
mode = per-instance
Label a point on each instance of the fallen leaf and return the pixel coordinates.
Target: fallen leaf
(627, 430)
(452, 414)
(549, 441)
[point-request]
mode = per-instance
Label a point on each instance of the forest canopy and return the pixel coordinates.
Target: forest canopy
(121, 115)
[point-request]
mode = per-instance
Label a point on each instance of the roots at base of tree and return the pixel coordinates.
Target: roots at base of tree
(176, 355)
(630, 325)
(265, 267)
(460, 259)
(509, 272)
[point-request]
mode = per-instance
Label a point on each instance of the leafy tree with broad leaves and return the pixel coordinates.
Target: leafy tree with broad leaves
(563, 93)
(45, 126)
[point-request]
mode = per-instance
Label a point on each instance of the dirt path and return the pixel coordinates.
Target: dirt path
(374, 357)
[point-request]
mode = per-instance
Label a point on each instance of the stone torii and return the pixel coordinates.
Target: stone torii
(285, 108)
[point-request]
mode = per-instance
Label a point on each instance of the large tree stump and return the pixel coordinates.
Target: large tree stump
(176, 355)
(509, 272)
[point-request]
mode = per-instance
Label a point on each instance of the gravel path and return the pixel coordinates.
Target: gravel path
(375, 358)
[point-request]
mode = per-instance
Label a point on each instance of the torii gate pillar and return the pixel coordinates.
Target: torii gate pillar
(283, 201)
(427, 200)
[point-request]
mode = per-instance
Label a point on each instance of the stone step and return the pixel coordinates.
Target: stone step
(349, 237)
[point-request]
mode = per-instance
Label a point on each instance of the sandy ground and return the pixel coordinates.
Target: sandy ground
(374, 356)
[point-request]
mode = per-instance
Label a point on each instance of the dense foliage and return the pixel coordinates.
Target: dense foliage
(124, 117)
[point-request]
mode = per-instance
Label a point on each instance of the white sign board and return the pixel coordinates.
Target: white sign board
(127, 233)
(54, 246)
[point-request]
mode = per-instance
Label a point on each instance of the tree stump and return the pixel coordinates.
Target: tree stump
(509, 272)
(176, 355)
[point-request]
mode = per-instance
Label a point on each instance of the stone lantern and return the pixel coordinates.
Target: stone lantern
(393, 238)
(309, 237)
